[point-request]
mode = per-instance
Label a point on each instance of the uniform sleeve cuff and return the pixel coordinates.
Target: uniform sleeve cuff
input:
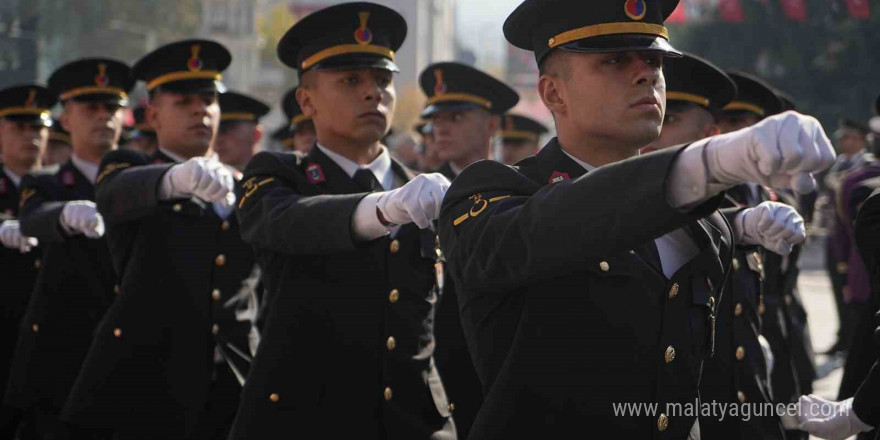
(365, 223)
(689, 183)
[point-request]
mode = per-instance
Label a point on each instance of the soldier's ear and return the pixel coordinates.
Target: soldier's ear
(258, 133)
(711, 130)
(494, 124)
(552, 92)
(151, 114)
(304, 99)
(65, 117)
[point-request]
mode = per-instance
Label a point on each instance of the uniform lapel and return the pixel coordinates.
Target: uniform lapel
(335, 179)
(554, 165)
(75, 184)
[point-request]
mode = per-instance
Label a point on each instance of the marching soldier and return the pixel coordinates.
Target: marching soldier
(77, 281)
(696, 91)
(23, 135)
(59, 148)
(351, 266)
(589, 276)
(429, 157)
(169, 357)
(464, 106)
(519, 138)
(240, 129)
(792, 371)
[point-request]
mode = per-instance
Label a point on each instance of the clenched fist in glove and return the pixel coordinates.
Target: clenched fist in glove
(416, 202)
(781, 151)
(202, 177)
(775, 226)
(829, 420)
(82, 217)
(10, 236)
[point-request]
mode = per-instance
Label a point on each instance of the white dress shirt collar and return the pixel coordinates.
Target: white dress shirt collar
(88, 169)
(16, 179)
(380, 166)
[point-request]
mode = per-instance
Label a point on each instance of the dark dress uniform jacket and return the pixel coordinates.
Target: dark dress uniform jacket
(19, 274)
(563, 317)
(346, 351)
(866, 402)
(72, 292)
(151, 364)
(737, 373)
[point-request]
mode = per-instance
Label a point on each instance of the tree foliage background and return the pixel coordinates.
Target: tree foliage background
(829, 64)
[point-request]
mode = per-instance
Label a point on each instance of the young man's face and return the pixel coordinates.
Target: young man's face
(22, 143)
(356, 105)
(684, 124)
(737, 120)
(618, 96)
(236, 143)
(93, 126)
(516, 150)
(459, 135)
(851, 142)
(185, 123)
(304, 137)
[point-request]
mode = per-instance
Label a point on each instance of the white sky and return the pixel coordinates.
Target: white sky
(479, 24)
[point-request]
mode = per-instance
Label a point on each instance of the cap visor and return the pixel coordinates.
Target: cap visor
(33, 120)
(449, 106)
(101, 97)
(361, 61)
(193, 86)
(622, 43)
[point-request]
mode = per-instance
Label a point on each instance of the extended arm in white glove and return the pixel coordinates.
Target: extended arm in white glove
(202, 177)
(416, 202)
(10, 236)
(82, 217)
(829, 420)
(775, 226)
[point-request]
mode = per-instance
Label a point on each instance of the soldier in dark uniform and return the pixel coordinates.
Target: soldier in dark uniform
(580, 289)
(791, 356)
(464, 106)
(77, 280)
(143, 138)
(24, 131)
(168, 359)
(519, 138)
(240, 129)
(858, 414)
(59, 149)
(350, 262)
(696, 91)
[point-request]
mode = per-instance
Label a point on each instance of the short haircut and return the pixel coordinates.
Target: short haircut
(557, 64)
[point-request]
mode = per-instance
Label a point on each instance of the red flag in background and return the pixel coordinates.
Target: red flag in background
(859, 9)
(795, 10)
(731, 11)
(679, 15)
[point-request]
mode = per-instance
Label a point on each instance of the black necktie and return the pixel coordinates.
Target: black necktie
(651, 255)
(367, 180)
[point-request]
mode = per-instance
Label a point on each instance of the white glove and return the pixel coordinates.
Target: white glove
(775, 226)
(781, 151)
(10, 236)
(829, 420)
(205, 178)
(416, 202)
(82, 217)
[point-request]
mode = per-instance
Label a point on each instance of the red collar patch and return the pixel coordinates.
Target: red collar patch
(3, 187)
(314, 173)
(67, 178)
(558, 176)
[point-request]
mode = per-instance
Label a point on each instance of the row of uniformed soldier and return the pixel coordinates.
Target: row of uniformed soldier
(352, 265)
